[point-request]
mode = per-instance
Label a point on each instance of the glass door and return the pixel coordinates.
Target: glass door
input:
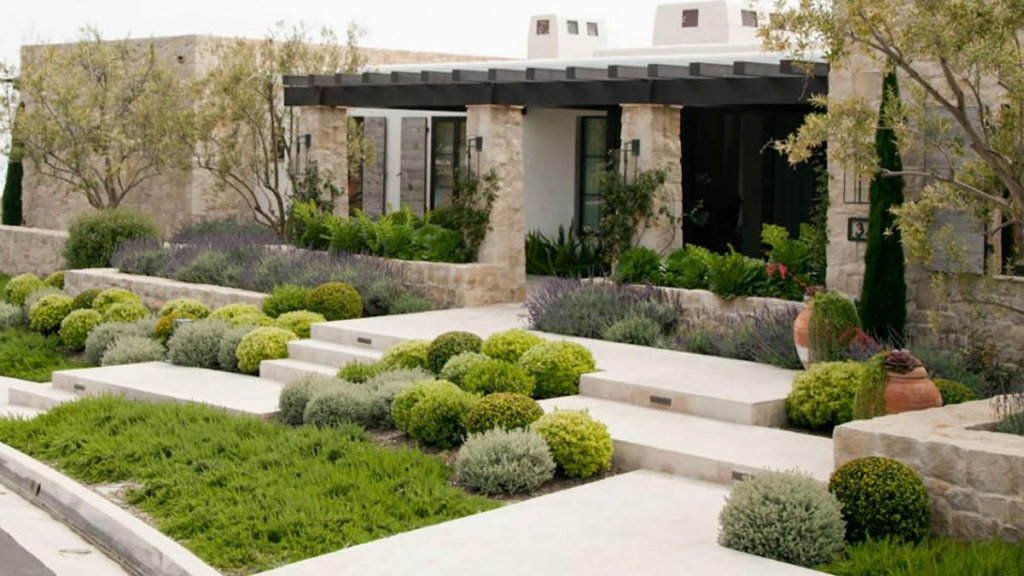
(593, 162)
(448, 146)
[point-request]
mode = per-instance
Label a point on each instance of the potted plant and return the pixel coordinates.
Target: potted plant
(907, 386)
(802, 326)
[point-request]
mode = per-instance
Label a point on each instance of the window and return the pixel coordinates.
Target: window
(749, 18)
(593, 162)
(543, 27)
(574, 27)
(690, 18)
(592, 29)
(356, 173)
(448, 146)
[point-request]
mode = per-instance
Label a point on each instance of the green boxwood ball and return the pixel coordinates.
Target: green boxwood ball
(286, 298)
(111, 296)
(56, 280)
(580, 445)
(19, 288)
(406, 400)
(126, 312)
(882, 498)
(232, 311)
(259, 320)
(457, 368)
(187, 307)
(336, 301)
(556, 367)
(955, 392)
(47, 314)
(439, 418)
(448, 345)
(504, 410)
(85, 298)
(510, 345)
(822, 396)
(300, 322)
(497, 376)
(406, 355)
(75, 328)
(262, 344)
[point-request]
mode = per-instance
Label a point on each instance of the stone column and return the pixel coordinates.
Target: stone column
(501, 128)
(657, 128)
(328, 127)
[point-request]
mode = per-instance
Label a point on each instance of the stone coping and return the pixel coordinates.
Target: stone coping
(711, 302)
(156, 291)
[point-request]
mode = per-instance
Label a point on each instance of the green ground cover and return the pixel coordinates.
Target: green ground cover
(32, 356)
(243, 494)
(4, 279)
(933, 557)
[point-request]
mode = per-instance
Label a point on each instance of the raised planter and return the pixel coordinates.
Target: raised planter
(35, 250)
(911, 391)
(154, 291)
(709, 302)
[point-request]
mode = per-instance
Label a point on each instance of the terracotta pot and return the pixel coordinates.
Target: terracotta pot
(910, 392)
(801, 335)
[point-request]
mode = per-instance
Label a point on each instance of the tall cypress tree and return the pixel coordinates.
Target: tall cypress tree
(883, 298)
(11, 205)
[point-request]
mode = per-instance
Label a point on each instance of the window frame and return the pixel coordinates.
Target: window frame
(572, 27)
(686, 18)
(582, 195)
(593, 29)
(458, 151)
(543, 27)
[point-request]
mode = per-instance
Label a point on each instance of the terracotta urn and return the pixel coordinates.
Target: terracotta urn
(801, 335)
(910, 391)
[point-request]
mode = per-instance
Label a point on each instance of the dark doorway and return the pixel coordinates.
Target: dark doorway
(448, 148)
(734, 182)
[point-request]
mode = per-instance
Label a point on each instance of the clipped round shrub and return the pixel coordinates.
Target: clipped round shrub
(259, 320)
(166, 325)
(133, 350)
(127, 312)
(19, 288)
(262, 344)
(186, 307)
(285, 298)
(408, 355)
(300, 322)
(633, 329)
(227, 356)
(497, 376)
(580, 445)
(46, 315)
(405, 401)
(955, 392)
(457, 368)
(448, 345)
(76, 326)
(11, 316)
(104, 335)
(504, 410)
(336, 301)
(94, 236)
(359, 372)
(111, 296)
(410, 304)
(338, 405)
(785, 516)
(439, 418)
(881, 498)
(85, 298)
(510, 345)
(56, 280)
(822, 397)
(385, 388)
(232, 311)
(196, 344)
(500, 462)
(556, 368)
(36, 297)
(295, 396)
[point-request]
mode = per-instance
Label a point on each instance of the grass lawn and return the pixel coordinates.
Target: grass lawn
(31, 356)
(935, 557)
(243, 494)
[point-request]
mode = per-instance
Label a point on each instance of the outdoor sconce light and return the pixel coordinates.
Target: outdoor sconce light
(477, 143)
(634, 147)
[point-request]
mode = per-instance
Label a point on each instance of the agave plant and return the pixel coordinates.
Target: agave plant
(901, 362)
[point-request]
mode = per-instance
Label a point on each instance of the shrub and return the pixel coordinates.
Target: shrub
(259, 320)
(55, 280)
(133, 350)
(954, 392)
(75, 328)
(932, 557)
(262, 344)
(448, 345)
(439, 418)
(734, 275)
(36, 297)
(285, 298)
(227, 352)
(19, 288)
(231, 311)
(556, 368)
(497, 376)
(380, 295)
(833, 326)
(111, 296)
(580, 445)
(11, 316)
(104, 335)
(94, 236)
(400, 377)
(46, 315)
(405, 401)
(637, 266)
(210, 267)
(408, 354)
(785, 516)
(881, 498)
(85, 298)
(410, 304)
(166, 326)
(143, 256)
(130, 312)
(457, 368)
(338, 405)
(196, 344)
(300, 322)
(504, 462)
(336, 301)
(358, 372)
(510, 345)
(688, 268)
(638, 330)
(295, 396)
(823, 396)
(507, 411)
(187, 307)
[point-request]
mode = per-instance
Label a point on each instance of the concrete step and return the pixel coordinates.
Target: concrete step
(339, 333)
(284, 371)
(699, 448)
(11, 411)
(37, 396)
(329, 354)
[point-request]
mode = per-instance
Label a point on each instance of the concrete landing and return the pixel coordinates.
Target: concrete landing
(158, 381)
(699, 448)
(641, 523)
(10, 406)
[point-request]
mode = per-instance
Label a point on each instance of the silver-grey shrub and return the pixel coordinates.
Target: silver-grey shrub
(504, 462)
(402, 376)
(10, 316)
(785, 516)
(104, 335)
(133, 350)
(337, 405)
(226, 357)
(197, 344)
(295, 396)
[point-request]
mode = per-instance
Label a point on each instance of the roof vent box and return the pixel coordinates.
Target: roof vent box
(707, 22)
(557, 36)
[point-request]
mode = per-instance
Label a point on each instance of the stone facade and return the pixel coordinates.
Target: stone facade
(657, 129)
(31, 250)
(975, 477)
(328, 131)
(706, 302)
(155, 292)
(460, 285)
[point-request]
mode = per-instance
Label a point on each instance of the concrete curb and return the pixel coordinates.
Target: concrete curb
(136, 545)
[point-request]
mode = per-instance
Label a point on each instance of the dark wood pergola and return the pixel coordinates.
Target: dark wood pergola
(698, 84)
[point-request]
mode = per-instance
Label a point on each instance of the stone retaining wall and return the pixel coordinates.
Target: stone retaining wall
(975, 477)
(155, 292)
(712, 304)
(35, 250)
(460, 285)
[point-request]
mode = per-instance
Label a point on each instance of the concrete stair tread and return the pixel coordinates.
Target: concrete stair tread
(37, 396)
(329, 353)
(384, 331)
(286, 370)
(14, 411)
(662, 435)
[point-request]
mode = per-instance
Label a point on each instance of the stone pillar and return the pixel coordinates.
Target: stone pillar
(501, 128)
(328, 127)
(657, 128)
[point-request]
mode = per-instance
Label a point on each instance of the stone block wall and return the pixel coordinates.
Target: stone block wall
(974, 477)
(460, 285)
(24, 250)
(155, 292)
(706, 302)
(657, 129)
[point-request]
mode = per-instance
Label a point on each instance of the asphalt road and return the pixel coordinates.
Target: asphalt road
(16, 561)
